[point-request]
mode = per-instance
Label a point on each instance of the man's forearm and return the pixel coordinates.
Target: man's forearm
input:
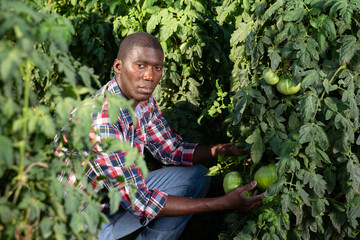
(177, 206)
(204, 153)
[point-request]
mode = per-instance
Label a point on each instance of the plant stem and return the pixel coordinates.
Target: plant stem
(26, 75)
(333, 77)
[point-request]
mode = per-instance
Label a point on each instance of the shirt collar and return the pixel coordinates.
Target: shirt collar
(114, 88)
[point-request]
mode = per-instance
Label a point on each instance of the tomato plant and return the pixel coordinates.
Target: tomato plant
(54, 53)
(313, 135)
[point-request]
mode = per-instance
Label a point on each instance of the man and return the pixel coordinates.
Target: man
(166, 199)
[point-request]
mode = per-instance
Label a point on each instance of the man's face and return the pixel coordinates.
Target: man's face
(139, 73)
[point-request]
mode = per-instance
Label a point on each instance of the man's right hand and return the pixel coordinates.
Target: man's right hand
(236, 200)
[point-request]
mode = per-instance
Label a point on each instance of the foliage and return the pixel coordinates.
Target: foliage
(312, 136)
(53, 54)
(41, 83)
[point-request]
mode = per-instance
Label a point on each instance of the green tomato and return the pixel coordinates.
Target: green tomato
(266, 175)
(270, 77)
(232, 180)
(286, 86)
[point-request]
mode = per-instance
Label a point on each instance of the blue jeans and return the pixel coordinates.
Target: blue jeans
(175, 180)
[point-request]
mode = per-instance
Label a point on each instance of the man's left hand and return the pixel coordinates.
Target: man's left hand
(226, 149)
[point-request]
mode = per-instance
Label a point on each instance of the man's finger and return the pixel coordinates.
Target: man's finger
(251, 185)
(258, 197)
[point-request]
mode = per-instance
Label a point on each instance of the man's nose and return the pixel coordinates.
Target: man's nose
(149, 74)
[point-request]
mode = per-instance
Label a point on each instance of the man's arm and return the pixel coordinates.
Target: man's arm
(234, 200)
(204, 153)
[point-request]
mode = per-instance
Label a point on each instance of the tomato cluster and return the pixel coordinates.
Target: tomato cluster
(264, 176)
(284, 84)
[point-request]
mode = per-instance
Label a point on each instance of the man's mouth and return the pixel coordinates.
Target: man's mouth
(146, 89)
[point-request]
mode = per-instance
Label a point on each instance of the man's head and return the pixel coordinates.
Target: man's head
(140, 39)
(139, 66)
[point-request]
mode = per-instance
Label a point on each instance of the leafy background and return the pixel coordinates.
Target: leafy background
(53, 54)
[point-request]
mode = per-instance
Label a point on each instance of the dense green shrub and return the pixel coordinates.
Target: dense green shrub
(312, 136)
(53, 54)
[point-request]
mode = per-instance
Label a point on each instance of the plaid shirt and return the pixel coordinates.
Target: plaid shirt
(153, 132)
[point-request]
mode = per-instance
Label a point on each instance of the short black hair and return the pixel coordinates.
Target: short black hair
(141, 39)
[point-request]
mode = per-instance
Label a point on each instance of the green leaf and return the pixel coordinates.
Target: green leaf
(47, 125)
(86, 73)
(307, 107)
(153, 22)
(240, 101)
(6, 151)
(71, 203)
(91, 215)
(307, 51)
(287, 164)
(311, 78)
(77, 223)
(317, 183)
(319, 207)
(331, 179)
(214, 170)
(8, 108)
(240, 34)
(147, 4)
(328, 26)
(353, 211)
(337, 219)
(287, 147)
(115, 199)
(258, 146)
(302, 193)
(354, 172)
(323, 156)
(276, 187)
(10, 63)
(295, 15)
(285, 202)
(64, 108)
(169, 26)
(345, 9)
(349, 47)
(271, 10)
(223, 11)
(46, 226)
(275, 57)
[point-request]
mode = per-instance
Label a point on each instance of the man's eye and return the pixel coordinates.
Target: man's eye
(140, 65)
(158, 68)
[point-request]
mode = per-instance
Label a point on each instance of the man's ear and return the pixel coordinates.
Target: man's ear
(117, 65)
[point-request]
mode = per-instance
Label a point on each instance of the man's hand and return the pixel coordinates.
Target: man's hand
(236, 200)
(233, 200)
(205, 153)
(226, 149)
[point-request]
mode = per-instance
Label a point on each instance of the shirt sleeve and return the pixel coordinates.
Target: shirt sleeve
(164, 144)
(136, 198)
